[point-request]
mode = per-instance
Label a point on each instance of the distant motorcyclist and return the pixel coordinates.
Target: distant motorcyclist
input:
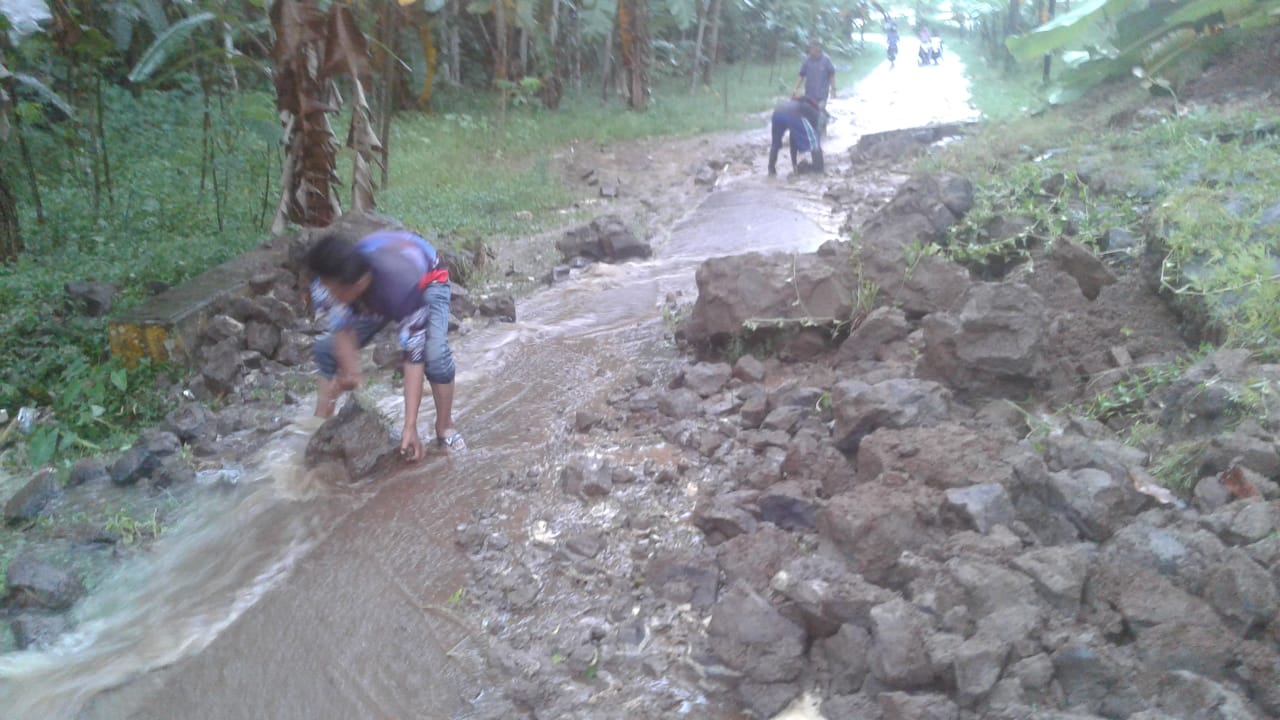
(799, 119)
(891, 32)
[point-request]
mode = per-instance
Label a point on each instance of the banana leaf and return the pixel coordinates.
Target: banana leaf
(165, 44)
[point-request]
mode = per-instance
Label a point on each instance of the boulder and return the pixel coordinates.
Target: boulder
(1095, 502)
(725, 515)
(86, 471)
(262, 338)
(827, 595)
(606, 238)
(848, 655)
(37, 631)
(749, 369)
(35, 584)
(1089, 272)
(1059, 573)
(707, 379)
(221, 367)
(872, 525)
(586, 478)
(1187, 695)
(860, 408)
(683, 580)
(900, 658)
(1096, 678)
(981, 506)
(501, 306)
(31, 498)
(189, 422)
(1243, 592)
(979, 662)
(294, 348)
(875, 336)
(928, 706)
(995, 344)
(355, 440)
(136, 463)
(944, 455)
(757, 556)
(751, 637)
(223, 327)
(736, 290)
(91, 298)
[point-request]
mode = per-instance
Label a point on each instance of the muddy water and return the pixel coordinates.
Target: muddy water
(287, 598)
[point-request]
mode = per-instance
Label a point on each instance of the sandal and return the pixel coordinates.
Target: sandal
(453, 443)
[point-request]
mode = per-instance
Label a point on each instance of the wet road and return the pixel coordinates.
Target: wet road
(288, 599)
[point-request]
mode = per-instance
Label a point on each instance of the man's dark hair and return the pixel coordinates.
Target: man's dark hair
(334, 257)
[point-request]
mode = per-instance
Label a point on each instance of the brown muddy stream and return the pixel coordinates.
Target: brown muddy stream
(289, 599)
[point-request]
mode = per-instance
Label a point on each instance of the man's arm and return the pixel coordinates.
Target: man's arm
(410, 443)
(346, 350)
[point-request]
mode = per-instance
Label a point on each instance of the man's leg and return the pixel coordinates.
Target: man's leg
(440, 369)
(779, 127)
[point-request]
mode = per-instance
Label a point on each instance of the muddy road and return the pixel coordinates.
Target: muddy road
(285, 597)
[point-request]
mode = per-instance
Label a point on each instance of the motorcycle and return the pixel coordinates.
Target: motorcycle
(931, 53)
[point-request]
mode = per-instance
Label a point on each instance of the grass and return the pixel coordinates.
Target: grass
(1000, 94)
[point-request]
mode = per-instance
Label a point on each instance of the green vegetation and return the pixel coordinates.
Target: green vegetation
(131, 529)
(999, 94)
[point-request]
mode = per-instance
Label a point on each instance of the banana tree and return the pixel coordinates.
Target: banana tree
(312, 49)
(1101, 39)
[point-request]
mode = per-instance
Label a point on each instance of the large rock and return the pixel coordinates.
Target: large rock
(1095, 502)
(135, 464)
(1059, 573)
(1096, 678)
(828, 595)
(606, 238)
(860, 409)
(1187, 695)
(929, 706)
(876, 336)
(1089, 272)
(946, 455)
(31, 498)
(355, 439)
(221, 366)
(875, 523)
(189, 422)
(32, 631)
(294, 348)
(707, 379)
(32, 583)
(981, 506)
(91, 298)
(979, 661)
(756, 557)
(1243, 592)
(900, 658)
(994, 345)
(753, 638)
(751, 287)
(848, 655)
(683, 580)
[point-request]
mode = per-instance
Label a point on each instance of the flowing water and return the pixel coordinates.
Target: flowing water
(288, 598)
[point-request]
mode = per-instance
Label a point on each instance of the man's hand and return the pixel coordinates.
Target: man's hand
(410, 444)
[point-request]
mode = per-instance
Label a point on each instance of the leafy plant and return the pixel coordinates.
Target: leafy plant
(130, 529)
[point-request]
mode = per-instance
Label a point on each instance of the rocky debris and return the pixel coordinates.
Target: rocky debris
(706, 176)
(872, 525)
(355, 441)
(606, 239)
(880, 336)
(765, 290)
(981, 506)
(294, 348)
(707, 379)
(995, 344)
(587, 478)
(34, 584)
(1094, 501)
(91, 298)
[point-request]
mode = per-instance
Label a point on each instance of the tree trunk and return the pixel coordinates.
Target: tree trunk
(713, 47)
(606, 64)
(703, 13)
(10, 229)
(1048, 57)
(32, 180)
(454, 45)
(500, 57)
(636, 47)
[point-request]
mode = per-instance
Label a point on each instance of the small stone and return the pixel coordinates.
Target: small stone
(584, 420)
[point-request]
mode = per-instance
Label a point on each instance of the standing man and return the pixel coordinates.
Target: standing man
(818, 77)
(797, 118)
(361, 284)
